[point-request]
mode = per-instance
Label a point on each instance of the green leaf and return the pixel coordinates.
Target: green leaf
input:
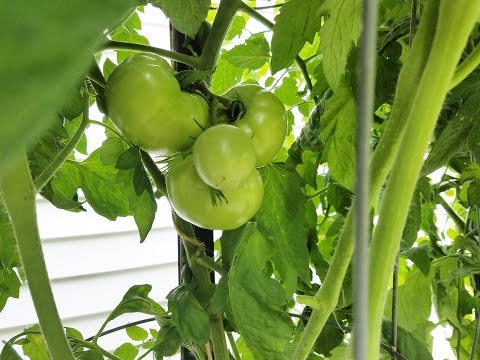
(455, 135)
(108, 67)
(137, 333)
(473, 193)
(281, 217)
(420, 257)
(253, 54)
(136, 300)
(226, 76)
(413, 223)
(407, 344)
(287, 92)
(297, 23)
(339, 197)
(98, 183)
(73, 333)
(110, 150)
(9, 286)
(73, 107)
(36, 348)
(126, 351)
(229, 242)
(128, 159)
(61, 191)
(9, 353)
(338, 129)
(329, 338)
(39, 41)
(186, 15)
(9, 256)
(168, 341)
(256, 299)
(413, 294)
(339, 33)
(220, 297)
(188, 316)
(236, 28)
(92, 354)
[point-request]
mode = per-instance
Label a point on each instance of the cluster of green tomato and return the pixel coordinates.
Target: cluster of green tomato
(218, 185)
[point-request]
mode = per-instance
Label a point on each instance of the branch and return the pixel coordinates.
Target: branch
(459, 223)
(268, 24)
(173, 55)
(122, 327)
(155, 173)
(466, 67)
(225, 14)
(18, 194)
(42, 179)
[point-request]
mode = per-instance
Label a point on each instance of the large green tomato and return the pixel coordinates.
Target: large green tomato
(224, 156)
(146, 103)
(191, 199)
(264, 120)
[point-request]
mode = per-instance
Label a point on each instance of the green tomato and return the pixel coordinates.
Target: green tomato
(146, 103)
(264, 120)
(191, 199)
(224, 156)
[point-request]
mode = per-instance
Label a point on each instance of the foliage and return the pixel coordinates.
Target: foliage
(286, 284)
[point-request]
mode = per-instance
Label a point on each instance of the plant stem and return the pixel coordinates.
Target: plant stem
(366, 94)
(233, 345)
(381, 164)
(173, 55)
(268, 24)
(466, 67)
(223, 18)
(202, 276)
(122, 327)
(155, 173)
(115, 131)
(42, 179)
(455, 22)
(211, 264)
(92, 346)
(453, 215)
(18, 194)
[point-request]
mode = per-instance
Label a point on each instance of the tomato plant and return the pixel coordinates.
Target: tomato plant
(299, 180)
(263, 119)
(146, 103)
(195, 201)
(224, 157)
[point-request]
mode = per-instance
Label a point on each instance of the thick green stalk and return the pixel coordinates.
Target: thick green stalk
(455, 22)
(52, 168)
(381, 164)
(223, 19)
(18, 194)
(173, 55)
(466, 67)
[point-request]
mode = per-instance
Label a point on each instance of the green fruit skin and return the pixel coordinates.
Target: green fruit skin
(224, 156)
(191, 199)
(264, 120)
(146, 103)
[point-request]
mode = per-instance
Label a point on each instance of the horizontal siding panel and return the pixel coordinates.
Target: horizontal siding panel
(56, 223)
(89, 255)
(91, 294)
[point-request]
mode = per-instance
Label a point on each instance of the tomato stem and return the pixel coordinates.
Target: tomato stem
(201, 274)
(42, 179)
(455, 22)
(157, 176)
(223, 18)
(18, 193)
(466, 67)
(173, 55)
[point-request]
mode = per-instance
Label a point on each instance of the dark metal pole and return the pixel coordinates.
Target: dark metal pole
(177, 40)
